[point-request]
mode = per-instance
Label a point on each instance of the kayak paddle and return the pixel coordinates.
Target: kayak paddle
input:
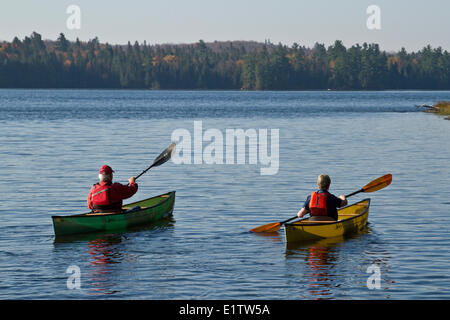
(162, 158)
(375, 185)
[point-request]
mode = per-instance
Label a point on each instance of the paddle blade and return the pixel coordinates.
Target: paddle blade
(165, 155)
(270, 227)
(377, 184)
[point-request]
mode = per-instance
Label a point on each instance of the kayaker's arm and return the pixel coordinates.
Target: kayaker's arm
(127, 191)
(305, 210)
(302, 212)
(89, 199)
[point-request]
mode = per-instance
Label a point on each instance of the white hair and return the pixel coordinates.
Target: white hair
(105, 177)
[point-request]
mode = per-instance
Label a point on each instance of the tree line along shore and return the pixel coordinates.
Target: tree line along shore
(231, 65)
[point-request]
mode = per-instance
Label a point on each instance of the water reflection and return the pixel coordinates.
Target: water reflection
(271, 236)
(103, 252)
(106, 253)
(321, 256)
(323, 259)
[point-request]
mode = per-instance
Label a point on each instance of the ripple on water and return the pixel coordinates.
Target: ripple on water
(52, 148)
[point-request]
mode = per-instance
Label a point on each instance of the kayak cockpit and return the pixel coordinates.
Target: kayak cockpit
(345, 213)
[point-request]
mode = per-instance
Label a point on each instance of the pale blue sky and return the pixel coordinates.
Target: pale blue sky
(411, 24)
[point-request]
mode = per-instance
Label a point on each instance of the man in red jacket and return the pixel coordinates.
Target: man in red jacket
(106, 196)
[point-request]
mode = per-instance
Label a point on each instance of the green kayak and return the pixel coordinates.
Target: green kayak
(140, 213)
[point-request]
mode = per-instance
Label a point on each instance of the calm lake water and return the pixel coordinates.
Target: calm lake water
(53, 142)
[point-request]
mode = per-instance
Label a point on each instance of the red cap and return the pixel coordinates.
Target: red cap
(106, 169)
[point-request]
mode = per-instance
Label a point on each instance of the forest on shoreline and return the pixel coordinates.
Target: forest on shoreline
(231, 65)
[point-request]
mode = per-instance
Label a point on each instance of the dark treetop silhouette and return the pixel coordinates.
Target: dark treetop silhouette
(35, 63)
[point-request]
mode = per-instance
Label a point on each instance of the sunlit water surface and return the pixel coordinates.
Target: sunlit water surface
(52, 143)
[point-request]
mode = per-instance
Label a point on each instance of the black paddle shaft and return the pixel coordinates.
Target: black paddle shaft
(353, 193)
(290, 219)
(162, 158)
(135, 178)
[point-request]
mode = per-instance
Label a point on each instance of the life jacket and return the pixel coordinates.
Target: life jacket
(318, 203)
(102, 199)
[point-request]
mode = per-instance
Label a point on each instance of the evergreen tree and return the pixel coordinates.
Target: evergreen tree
(33, 63)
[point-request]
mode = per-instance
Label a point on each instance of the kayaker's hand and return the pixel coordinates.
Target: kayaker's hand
(302, 212)
(131, 180)
(344, 200)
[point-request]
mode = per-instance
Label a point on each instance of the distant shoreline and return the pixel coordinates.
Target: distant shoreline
(234, 65)
(225, 90)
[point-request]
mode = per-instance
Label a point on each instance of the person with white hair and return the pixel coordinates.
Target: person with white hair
(106, 196)
(322, 205)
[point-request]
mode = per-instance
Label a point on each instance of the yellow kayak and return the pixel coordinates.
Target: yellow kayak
(351, 219)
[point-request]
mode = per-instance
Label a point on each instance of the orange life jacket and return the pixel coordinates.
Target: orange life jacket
(318, 203)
